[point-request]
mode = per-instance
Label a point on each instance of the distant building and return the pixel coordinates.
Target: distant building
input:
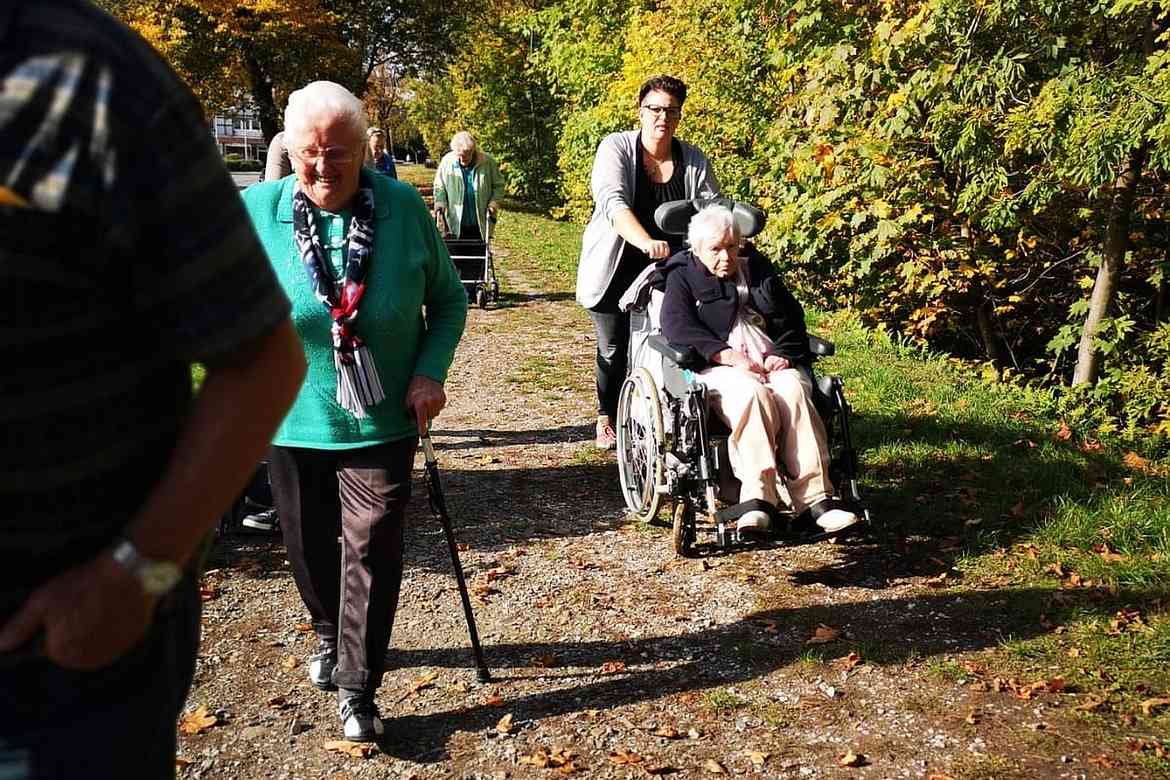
(238, 132)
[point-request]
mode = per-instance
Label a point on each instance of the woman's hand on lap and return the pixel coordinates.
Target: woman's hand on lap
(775, 363)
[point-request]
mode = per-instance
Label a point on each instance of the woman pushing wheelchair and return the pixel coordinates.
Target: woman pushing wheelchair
(729, 305)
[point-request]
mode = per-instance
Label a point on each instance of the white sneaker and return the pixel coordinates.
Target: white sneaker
(754, 520)
(360, 719)
(836, 520)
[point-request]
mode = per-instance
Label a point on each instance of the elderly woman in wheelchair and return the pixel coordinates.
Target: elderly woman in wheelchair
(731, 307)
(732, 349)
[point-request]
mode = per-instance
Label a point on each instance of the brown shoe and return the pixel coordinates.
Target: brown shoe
(606, 439)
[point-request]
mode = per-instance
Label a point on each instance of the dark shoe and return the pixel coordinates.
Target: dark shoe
(321, 666)
(360, 719)
(264, 520)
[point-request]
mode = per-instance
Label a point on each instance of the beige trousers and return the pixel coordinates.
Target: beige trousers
(773, 423)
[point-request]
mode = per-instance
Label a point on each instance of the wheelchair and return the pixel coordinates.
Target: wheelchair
(669, 443)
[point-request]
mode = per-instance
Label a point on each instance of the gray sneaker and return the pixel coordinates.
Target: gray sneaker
(321, 666)
(264, 520)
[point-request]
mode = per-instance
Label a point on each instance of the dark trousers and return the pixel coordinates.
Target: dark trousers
(613, 346)
(113, 722)
(351, 595)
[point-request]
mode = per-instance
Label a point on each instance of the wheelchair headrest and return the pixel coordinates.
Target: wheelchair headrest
(674, 216)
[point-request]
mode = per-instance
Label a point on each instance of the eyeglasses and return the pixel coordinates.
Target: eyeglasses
(672, 112)
(330, 154)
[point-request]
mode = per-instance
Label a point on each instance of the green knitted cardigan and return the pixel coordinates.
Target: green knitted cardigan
(411, 269)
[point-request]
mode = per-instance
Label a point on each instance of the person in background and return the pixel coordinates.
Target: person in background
(358, 254)
(634, 172)
(376, 155)
(468, 188)
(277, 164)
(125, 257)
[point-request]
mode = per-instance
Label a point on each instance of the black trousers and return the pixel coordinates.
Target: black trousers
(352, 595)
(612, 328)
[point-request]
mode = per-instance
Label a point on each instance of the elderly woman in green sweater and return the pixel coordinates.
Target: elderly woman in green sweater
(468, 186)
(344, 240)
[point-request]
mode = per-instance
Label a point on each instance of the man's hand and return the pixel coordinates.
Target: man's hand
(491, 210)
(775, 363)
(90, 615)
(425, 398)
(657, 250)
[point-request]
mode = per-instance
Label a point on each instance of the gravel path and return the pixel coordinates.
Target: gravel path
(612, 657)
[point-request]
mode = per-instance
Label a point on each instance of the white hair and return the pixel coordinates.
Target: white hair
(324, 98)
(710, 224)
(462, 140)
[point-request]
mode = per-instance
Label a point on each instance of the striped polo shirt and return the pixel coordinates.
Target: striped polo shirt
(125, 256)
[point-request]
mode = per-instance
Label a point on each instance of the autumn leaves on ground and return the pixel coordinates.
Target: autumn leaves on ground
(1006, 619)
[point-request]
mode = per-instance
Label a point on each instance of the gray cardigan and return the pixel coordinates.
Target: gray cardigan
(612, 182)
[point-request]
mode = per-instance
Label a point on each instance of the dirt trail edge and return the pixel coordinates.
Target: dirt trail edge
(612, 657)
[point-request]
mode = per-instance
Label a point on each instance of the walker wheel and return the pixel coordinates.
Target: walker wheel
(683, 529)
(481, 297)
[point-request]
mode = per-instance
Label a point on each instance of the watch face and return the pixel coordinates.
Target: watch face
(158, 578)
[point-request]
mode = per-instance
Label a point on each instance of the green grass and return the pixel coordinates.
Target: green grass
(550, 248)
(723, 700)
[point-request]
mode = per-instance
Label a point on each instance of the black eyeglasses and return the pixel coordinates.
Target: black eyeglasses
(672, 112)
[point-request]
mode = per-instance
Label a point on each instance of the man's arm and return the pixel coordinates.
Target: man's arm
(92, 614)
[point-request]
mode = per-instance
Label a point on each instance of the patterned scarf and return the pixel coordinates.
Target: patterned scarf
(358, 385)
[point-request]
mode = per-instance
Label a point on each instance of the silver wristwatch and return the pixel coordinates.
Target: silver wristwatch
(156, 577)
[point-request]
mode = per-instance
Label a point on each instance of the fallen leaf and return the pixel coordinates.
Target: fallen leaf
(498, 573)
(504, 724)
(1136, 462)
(613, 667)
(424, 682)
(1090, 704)
(277, 702)
(351, 749)
(851, 759)
(304, 628)
(848, 662)
(972, 718)
(1149, 706)
(623, 757)
(823, 635)
(1107, 553)
(757, 758)
(940, 777)
(290, 662)
(667, 732)
(544, 661)
(197, 721)
(714, 767)
(494, 700)
(1102, 760)
(181, 763)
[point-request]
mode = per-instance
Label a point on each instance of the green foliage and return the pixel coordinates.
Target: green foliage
(234, 162)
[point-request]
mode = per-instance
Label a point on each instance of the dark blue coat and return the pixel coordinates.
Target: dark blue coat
(699, 308)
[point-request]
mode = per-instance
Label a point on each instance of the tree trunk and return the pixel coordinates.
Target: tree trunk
(988, 333)
(261, 86)
(1105, 288)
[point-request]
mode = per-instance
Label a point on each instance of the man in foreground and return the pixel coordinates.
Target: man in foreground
(126, 257)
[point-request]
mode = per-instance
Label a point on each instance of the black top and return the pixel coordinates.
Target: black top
(648, 196)
(698, 309)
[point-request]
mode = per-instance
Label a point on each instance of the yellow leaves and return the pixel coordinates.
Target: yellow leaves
(197, 721)
(711, 766)
(851, 759)
(880, 209)
(504, 725)
(559, 759)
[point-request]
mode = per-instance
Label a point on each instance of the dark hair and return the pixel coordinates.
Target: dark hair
(668, 84)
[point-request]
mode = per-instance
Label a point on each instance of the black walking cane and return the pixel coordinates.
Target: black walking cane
(439, 507)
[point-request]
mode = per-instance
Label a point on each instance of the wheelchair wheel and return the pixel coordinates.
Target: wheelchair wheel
(683, 529)
(640, 444)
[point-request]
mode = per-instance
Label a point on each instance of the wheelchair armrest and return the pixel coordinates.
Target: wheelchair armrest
(819, 347)
(683, 357)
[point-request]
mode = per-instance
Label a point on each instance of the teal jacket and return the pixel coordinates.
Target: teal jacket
(411, 269)
(449, 191)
